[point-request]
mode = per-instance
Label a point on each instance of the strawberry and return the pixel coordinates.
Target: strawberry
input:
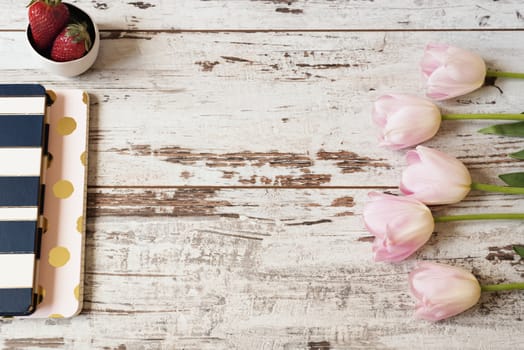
(72, 43)
(46, 19)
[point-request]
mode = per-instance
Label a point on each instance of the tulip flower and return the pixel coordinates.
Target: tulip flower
(407, 120)
(444, 291)
(434, 177)
(400, 225)
(451, 71)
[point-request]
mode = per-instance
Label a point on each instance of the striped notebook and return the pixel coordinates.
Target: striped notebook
(22, 145)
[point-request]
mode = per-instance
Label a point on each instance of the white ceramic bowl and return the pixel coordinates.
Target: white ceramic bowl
(75, 67)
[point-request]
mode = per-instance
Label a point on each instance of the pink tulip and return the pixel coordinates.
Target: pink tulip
(434, 177)
(442, 291)
(451, 71)
(405, 120)
(400, 225)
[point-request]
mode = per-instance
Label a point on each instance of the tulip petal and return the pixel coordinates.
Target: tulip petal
(383, 106)
(400, 225)
(429, 172)
(434, 56)
(412, 157)
(405, 120)
(442, 291)
(378, 116)
(443, 84)
(415, 124)
(437, 96)
(451, 71)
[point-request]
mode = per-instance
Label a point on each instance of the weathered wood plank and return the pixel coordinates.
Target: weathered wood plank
(270, 269)
(289, 14)
(260, 109)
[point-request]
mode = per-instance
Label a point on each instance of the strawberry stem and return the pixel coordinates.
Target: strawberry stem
(47, 2)
(78, 32)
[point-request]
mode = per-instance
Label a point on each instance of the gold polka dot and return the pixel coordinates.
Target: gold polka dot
(85, 97)
(56, 316)
(49, 160)
(58, 256)
(83, 158)
(63, 189)
(51, 95)
(80, 224)
(66, 126)
(76, 292)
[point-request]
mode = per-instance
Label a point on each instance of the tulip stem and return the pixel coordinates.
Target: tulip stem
(502, 287)
(497, 74)
(483, 116)
(495, 188)
(487, 216)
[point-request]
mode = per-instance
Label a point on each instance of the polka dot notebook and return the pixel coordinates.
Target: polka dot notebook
(60, 272)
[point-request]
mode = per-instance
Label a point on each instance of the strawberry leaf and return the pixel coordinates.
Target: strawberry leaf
(518, 155)
(513, 179)
(511, 129)
(519, 249)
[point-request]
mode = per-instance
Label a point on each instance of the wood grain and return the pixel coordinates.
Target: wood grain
(268, 269)
(289, 110)
(290, 14)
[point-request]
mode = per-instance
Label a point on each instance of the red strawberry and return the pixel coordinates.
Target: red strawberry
(46, 19)
(72, 43)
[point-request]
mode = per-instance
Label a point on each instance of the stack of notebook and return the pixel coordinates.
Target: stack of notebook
(43, 139)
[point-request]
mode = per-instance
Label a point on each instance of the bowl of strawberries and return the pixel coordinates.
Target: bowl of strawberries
(63, 37)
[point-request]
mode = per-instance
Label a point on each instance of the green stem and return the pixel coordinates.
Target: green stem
(495, 188)
(483, 116)
(502, 287)
(491, 73)
(487, 216)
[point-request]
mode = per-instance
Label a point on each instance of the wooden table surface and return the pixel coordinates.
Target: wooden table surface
(231, 153)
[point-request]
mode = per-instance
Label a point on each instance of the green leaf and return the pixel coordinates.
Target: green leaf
(519, 249)
(518, 155)
(513, 179)
(510, 129)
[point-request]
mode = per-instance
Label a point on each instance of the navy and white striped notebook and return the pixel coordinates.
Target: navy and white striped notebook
(22, 145)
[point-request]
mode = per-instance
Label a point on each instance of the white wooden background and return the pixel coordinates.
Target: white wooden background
(230, 157)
